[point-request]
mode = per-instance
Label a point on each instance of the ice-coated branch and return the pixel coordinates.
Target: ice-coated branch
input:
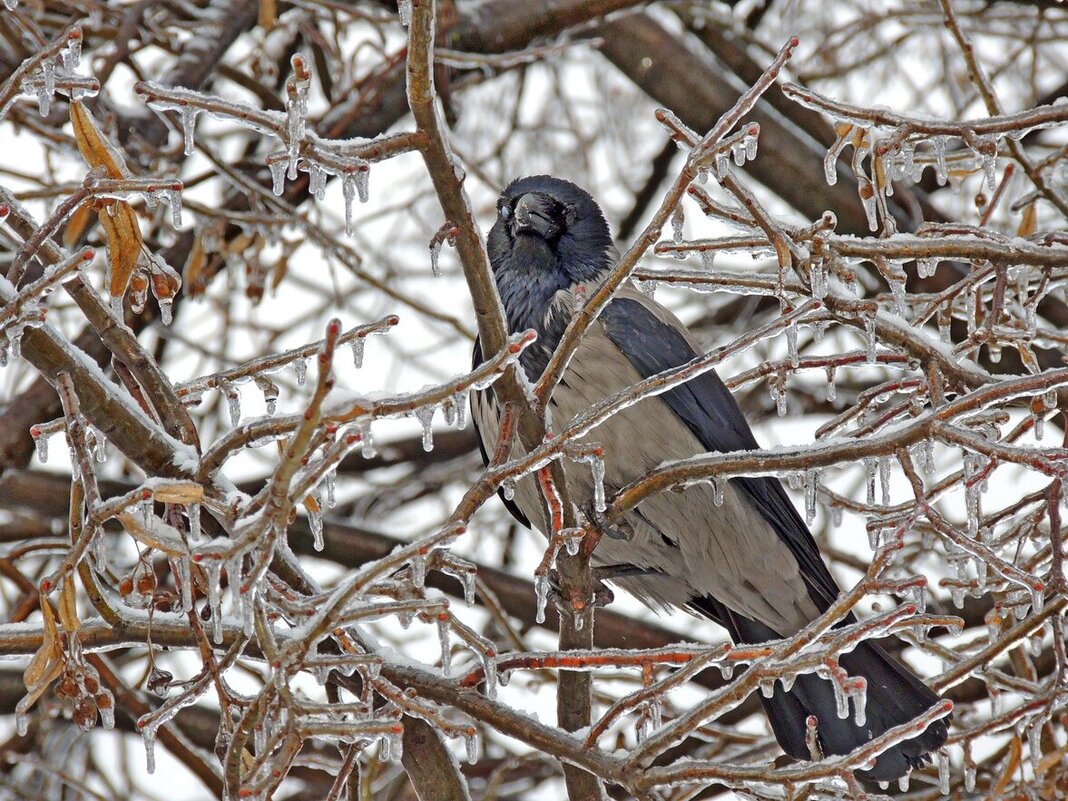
(621, 272)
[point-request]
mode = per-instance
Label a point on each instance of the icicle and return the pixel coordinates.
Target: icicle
(468, 581)
(446, 646)
(941, 173)
(860, 701)
(708, 259)
(767, 687)
(841, 700)
(425, 416)
(315, 523)
(46, 87)
(1034, 745)
(173, 199)
(233, 404)
(819, 280)
(459, 402)
(471, 744)
(188, 115)
(870, 468)
(330, 480)
(812, 481)
(357, 346)
(597, 470)
(367, 449)
(316, 180)
(148, 735)
(489, 666)
(192, 511)
(726, 669)
(969, 768)
(418, 565)
(213, 570)
(182, 563)
(678, 222)
(791, 344)
(832, 388)
(301, 367)
(925, 268)
(348, 190)
(404, 11)
(541, 591)
(717, 490)
(278, 176)
(100, 449)
(943, 771)
(723, 166)
(750, 143)
(435, 251)
(363, 179)
(166, 310)
(836, 516)
(869, 333)
(41, 442)
(884, 479)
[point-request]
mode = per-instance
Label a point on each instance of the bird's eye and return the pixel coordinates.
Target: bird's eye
(504, 211)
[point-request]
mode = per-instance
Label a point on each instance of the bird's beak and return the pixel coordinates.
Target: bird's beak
(534, 215)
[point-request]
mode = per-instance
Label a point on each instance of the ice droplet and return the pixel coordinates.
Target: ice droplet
(425, 416)
(939, 145)
(278, 176)
(331, 481)
(459, 402)
(869, 333)
(173, 200)
(832, 388)
(301, 367)
(812, 481)
(597, 469)
(233, 405)
(884, 479)
(188, 116)
(166, 310)
(316, 180)
(943, 771)
(678, 222)
(508, 489)
(541, 592)
(315, 523)
(446, 646)
(41, 441)
(860, 701)
(870, 468)
(471, 744)
(418, 564)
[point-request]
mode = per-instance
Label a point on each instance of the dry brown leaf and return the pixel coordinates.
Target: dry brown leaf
(93, 145)
(76, 225)
(1029, 221)
(47, 663)
(68, 606)
(311, 504)
(278, 272)
(193, 271)
(124, 242)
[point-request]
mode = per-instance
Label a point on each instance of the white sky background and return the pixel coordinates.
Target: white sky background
(421, 352)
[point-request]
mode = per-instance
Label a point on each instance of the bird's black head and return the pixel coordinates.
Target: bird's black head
(549, 234)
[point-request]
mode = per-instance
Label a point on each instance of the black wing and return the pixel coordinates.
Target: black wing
(709, 410)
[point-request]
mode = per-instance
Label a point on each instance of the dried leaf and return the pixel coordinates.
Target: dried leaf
(45, 665)
(194, 268)
(68, 606)
(311, 504)
(123, 240)
(268, 14)
(278, 272)
(76, 225)
(179, 492)
(1029, 221)
(95, 148)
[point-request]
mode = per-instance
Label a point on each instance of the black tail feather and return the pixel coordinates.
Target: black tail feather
(894, 696)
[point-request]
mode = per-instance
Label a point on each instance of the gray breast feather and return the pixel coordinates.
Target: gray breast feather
(690, 546)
